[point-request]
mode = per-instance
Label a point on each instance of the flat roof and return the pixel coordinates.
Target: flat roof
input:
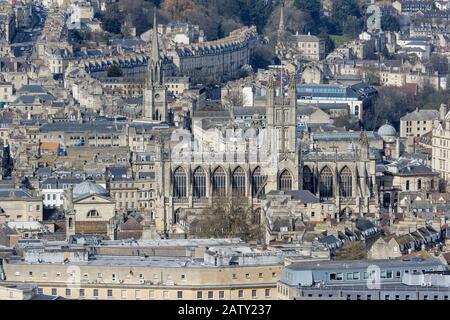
(363, 264)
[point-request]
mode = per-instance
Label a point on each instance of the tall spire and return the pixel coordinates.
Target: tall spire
(281, 25)
(155, 41)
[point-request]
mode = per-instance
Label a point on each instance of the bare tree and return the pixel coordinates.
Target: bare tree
(232, 98)
(230, 217)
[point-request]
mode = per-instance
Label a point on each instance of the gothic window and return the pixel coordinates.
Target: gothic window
(257, 182)
(345, 183)
(199, 183)
(93, 213)
(179, 183)
(219, 182)
(308, 179)
(238, 182)
(176, 216)
(326, 184)
(285, 182)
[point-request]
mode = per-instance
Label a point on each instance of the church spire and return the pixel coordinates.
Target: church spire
(281, 25)
(155, 41)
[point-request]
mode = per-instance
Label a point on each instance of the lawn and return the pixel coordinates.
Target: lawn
(338, 40)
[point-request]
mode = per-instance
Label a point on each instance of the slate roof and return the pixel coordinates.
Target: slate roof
(95, 126)
(421, 115)
(300, 195)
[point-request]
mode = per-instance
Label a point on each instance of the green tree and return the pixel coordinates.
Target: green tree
(311, 7)
(329, 43)
(346, 17)
(112, 18)
(262, 56)
(389, 23)
(114, 71)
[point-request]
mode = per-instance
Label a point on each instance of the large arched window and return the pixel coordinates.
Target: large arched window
(308, 180)
(218, 182)
(345, 183)
(93, 213)
(326, 184)
(285, 181)
(179, 183)
(258, 189)
(199, 183)
(238, 182)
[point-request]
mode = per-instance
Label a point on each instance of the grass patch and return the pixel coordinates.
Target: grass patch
(340, 39)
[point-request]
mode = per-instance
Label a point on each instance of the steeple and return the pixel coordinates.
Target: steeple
(155, 104)
(155, 60)
(155, 41)
(281, 25)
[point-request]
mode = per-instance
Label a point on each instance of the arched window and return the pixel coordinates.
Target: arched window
(93, 213)
(199, 183)
(419, 184)
(326, 184)
(345, 183)
(308, 180)
(176, 216)
(179, 183)
(238, 182)
(218, 182)
(285, 182)
(258, 190)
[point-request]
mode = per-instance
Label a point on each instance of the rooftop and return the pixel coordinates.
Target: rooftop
(364, 264)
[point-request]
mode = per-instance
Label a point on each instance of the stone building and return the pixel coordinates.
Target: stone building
(202, 269)
(221, 59)
(222, 162)
(418, 123)
(90, 210)
(441, 146)
(299, 46)
(18, 205)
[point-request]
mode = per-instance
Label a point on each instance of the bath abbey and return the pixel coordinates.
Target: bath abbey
(222, 157)
(224, 150)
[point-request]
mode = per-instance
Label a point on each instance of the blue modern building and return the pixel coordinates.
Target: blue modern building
(355, 96)
(407, 279)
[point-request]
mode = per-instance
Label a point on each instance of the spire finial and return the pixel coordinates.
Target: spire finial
(281, 25)
(155, 40)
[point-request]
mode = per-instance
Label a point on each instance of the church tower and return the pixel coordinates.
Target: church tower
(155, 92)
(281, 118)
